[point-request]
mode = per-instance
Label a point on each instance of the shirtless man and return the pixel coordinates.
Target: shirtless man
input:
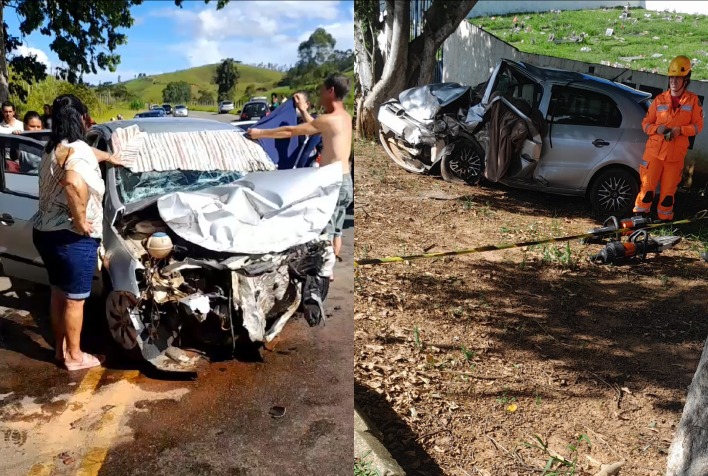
(336, 129)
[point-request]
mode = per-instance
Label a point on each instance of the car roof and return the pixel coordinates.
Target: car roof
(180, 105)
(562, 76)
(256, 102)
(168, 124)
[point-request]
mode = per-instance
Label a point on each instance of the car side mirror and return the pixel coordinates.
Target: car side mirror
(238, 112)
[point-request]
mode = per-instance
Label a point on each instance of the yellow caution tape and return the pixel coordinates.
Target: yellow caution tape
(702, 215)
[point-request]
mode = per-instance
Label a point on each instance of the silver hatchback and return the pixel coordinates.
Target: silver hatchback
(584, 133)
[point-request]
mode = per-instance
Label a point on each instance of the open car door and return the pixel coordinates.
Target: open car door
(512, 96)
(19, 199)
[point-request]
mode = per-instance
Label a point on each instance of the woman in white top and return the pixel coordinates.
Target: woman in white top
(68, 226)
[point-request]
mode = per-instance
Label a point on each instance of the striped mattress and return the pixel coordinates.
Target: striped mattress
(201, 150)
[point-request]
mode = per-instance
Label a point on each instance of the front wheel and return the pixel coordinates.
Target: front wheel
(464, 164)
(613, 193)
(399, 154)
(119, 307)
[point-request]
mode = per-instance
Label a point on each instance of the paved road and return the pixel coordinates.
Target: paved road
(120, 421)
(214, 116)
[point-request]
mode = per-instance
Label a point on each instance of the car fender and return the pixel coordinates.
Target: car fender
(605, 165)
(121, 267)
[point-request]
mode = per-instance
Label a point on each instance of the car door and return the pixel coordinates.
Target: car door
(584, 125)
(19, 198)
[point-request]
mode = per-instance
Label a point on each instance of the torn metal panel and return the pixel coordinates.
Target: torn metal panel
(256, 297)
(262, 213)
(424, 103)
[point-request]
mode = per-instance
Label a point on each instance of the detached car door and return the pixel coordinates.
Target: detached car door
(19, 192)
(584, 126)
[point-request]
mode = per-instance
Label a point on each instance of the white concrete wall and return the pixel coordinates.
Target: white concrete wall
(470, 54)
(679, 6)
(497, 7)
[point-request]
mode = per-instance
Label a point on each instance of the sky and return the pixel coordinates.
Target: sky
(165, 38)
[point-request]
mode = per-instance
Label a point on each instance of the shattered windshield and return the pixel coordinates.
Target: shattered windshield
(136, 186)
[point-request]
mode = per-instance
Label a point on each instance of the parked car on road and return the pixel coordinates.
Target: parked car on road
(163, 286)
(167, 108)
(254, 110)
(584, 132)
(225, 106)
(181, 111)
(154, 112)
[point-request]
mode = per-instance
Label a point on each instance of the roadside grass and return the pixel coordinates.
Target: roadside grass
(112, 112)
(678, 34)
(556, 464)
(364, 468)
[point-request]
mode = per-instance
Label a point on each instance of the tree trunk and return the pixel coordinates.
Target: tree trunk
(392, 80)
(688, 454)
(410, 63)
(4, 74)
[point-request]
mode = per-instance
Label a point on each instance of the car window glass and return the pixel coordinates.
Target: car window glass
(581, 107)
(20, 167)
(514, 85)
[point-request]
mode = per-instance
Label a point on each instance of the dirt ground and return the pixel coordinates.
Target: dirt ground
(492, 363)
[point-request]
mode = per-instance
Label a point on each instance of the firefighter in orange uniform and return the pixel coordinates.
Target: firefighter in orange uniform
(673, 117)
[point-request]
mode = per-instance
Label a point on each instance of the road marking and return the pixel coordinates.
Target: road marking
(94, 458)
(83, 394)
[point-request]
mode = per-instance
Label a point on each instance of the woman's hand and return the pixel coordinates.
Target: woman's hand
(85, 227)
(115, 159)
(17, 132)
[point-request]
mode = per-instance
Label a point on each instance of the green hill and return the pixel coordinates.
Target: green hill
(647, 40)
(149, 89)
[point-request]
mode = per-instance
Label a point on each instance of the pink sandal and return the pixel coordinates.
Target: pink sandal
(87, 361)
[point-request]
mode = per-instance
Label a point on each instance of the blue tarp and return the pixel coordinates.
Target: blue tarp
(284, 152)
(287, 153)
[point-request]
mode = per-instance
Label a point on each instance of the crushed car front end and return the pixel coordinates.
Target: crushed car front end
(178, 275)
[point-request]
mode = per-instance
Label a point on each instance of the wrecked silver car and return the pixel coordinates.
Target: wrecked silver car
(527, 127)
(205, 243)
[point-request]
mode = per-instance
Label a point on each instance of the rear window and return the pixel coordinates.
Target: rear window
(227, 103)
(254, 108)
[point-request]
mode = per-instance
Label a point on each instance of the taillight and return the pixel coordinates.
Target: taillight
(243, 116)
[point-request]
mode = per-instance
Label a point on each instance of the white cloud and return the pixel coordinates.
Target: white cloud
(41, 56)
(257, 31)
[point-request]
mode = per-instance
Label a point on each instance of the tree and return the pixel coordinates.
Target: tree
(177, 92)
(408, 62)
(81, 31)
(226, 78)
(205, 97)
(687, 454)
(317, 48)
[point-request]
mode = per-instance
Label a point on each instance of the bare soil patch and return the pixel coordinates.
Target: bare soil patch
(463, 362)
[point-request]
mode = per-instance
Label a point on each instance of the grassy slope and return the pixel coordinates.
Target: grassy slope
(678, 35)
(202, 77)
(265, 81)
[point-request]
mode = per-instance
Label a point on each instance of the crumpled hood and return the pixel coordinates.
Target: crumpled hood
(264, 212)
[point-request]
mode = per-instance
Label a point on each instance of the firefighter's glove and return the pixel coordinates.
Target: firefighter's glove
(661, 129)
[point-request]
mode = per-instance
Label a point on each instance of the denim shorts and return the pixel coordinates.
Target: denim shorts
(71, 260)
(346, 197)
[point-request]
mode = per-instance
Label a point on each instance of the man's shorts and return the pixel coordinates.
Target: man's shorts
(346, 197)
(70, 260)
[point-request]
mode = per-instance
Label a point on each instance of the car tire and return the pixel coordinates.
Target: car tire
(613, 192)
(400, 156)
(465, 164)
(124, 334)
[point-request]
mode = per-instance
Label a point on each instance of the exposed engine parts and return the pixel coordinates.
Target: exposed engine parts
(220, 296)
